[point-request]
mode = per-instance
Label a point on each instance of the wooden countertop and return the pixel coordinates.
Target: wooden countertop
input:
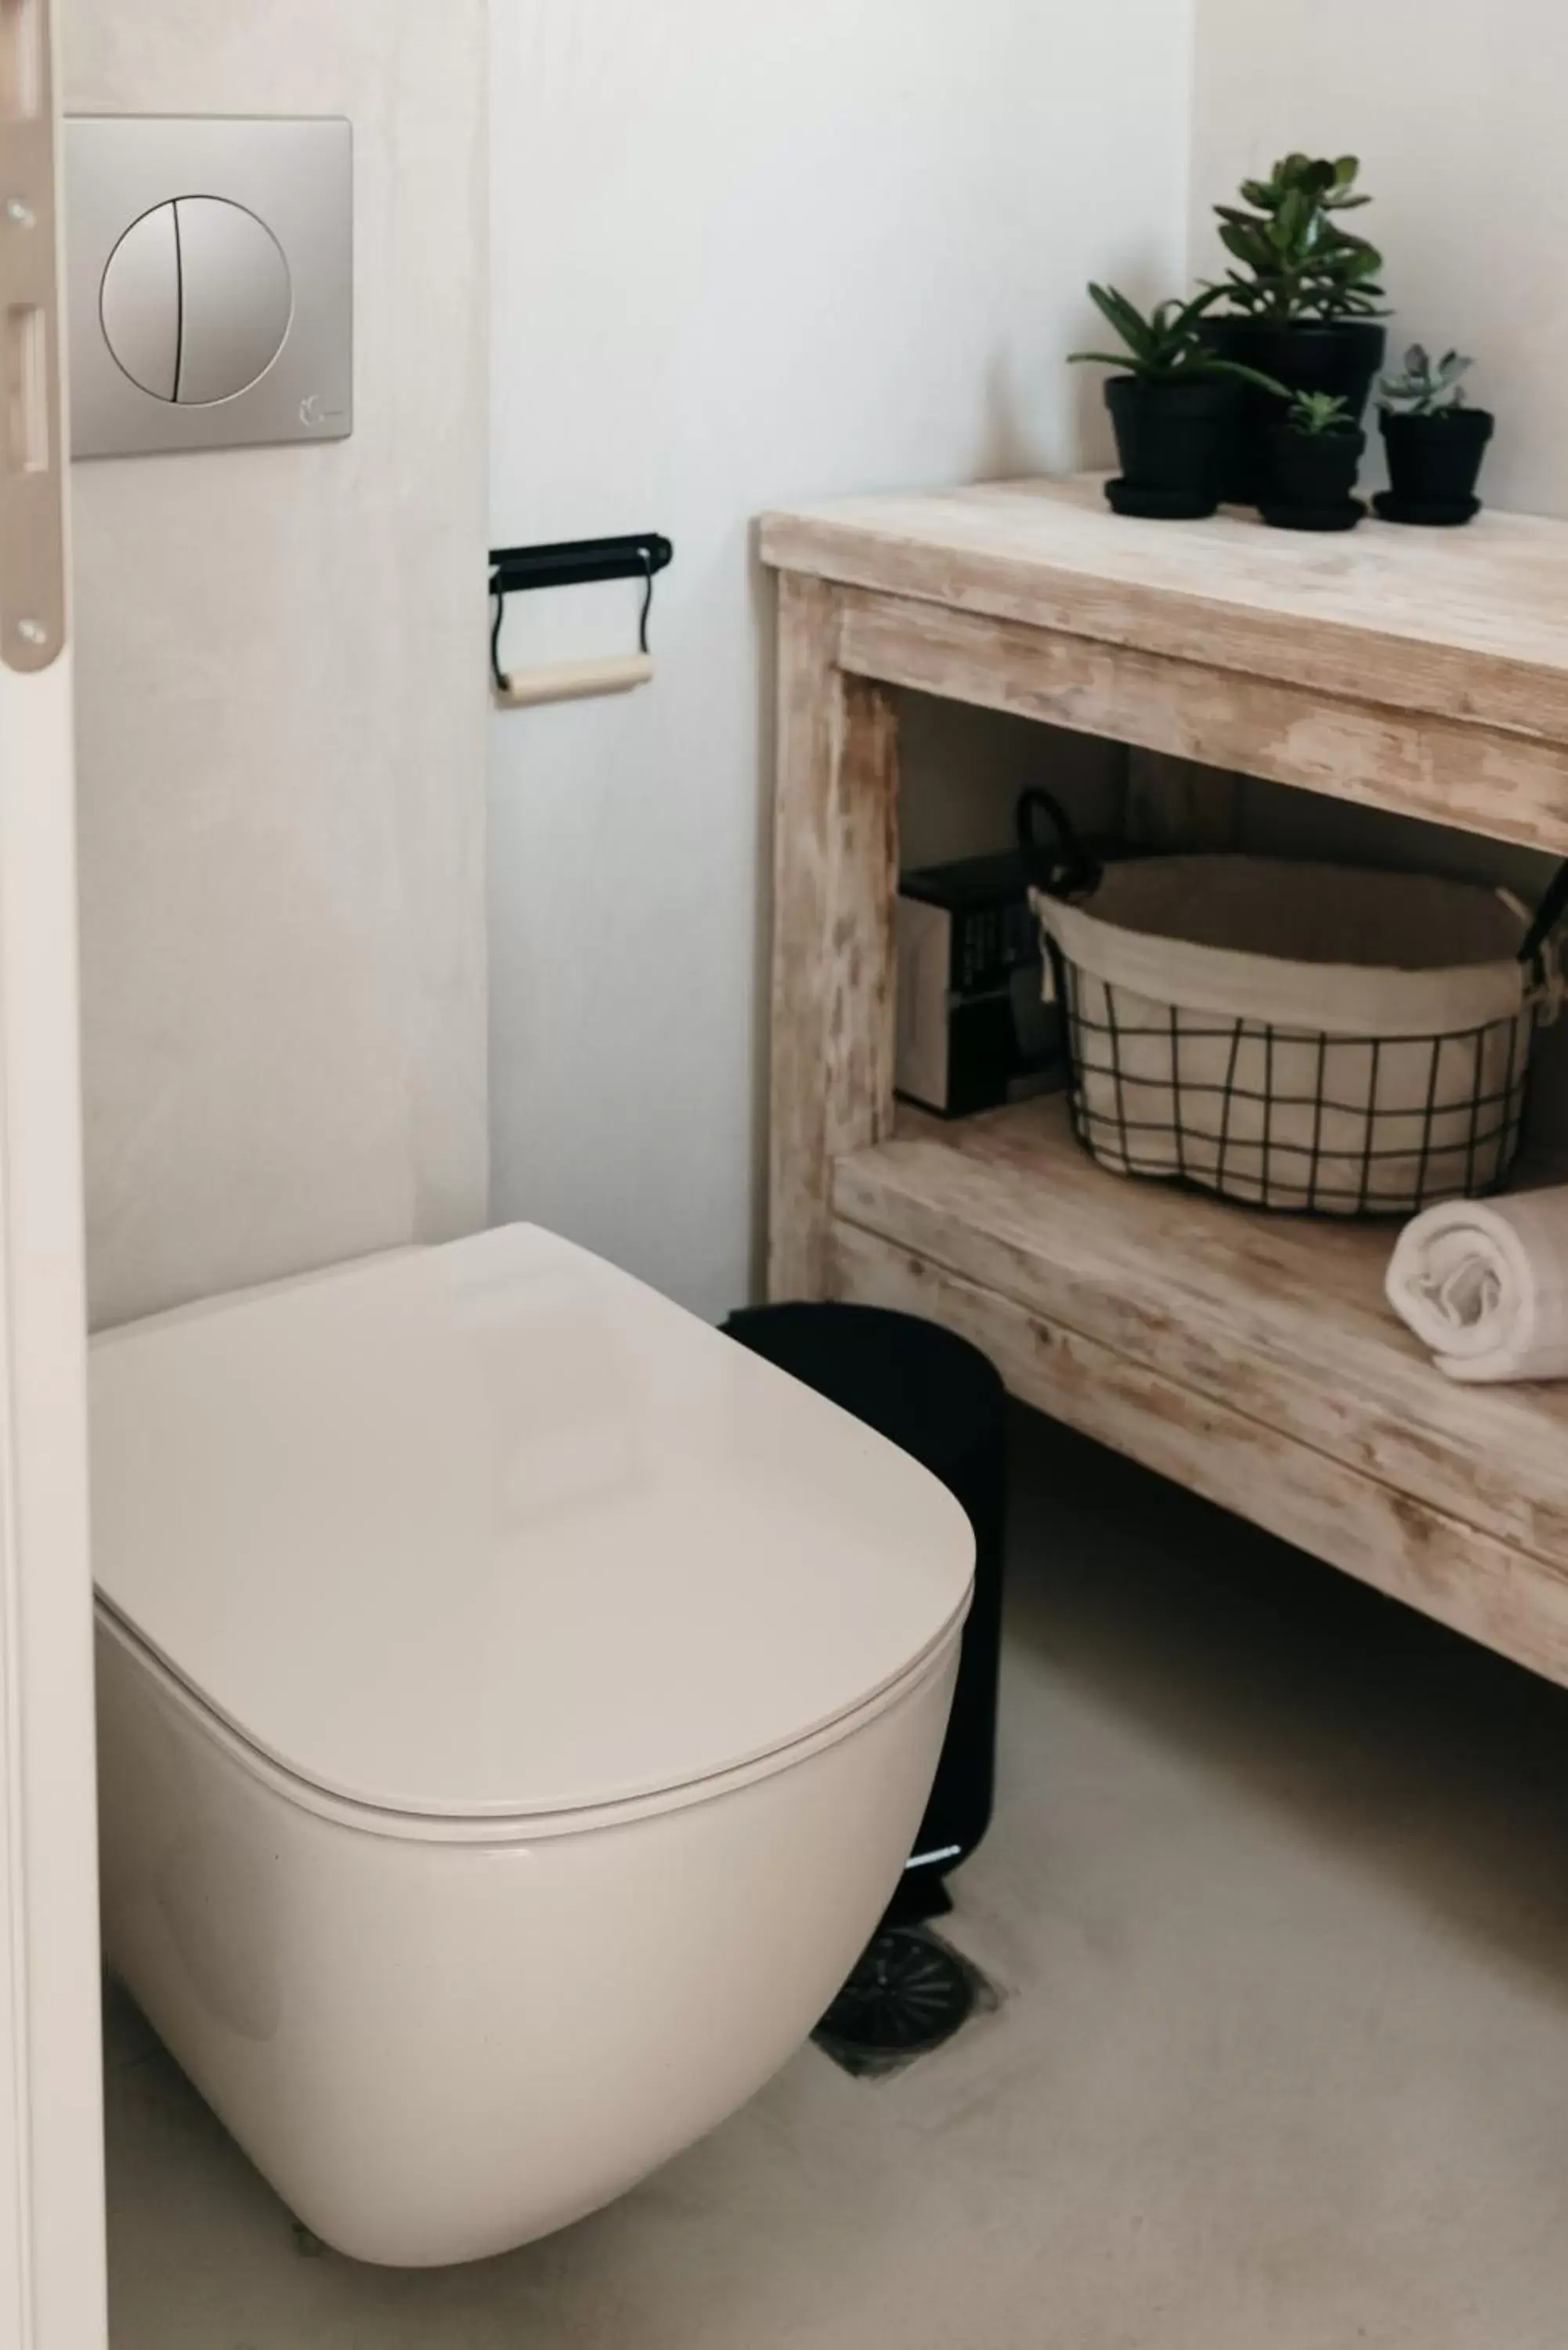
(1469, 625)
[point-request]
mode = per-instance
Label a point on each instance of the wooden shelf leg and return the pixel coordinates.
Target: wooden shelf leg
(836, 880)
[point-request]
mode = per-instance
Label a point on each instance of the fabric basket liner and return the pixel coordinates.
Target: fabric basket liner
(1119, 938)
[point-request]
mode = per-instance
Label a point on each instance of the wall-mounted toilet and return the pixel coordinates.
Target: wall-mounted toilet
(516, 1703)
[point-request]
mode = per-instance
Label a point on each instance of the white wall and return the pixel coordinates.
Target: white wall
(746, 252)
(281, 715)
(1456, 110)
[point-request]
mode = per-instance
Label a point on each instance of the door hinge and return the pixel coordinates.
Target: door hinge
(32, 455)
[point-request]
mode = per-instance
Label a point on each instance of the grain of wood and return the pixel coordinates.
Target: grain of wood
(1469, 624)
(1507, 786)
(1280, 1317)
(533, 688)
(1251, 1357)
(1495, 1594)
(835, 883)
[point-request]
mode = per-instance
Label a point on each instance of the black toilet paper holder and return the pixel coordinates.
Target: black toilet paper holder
(572, 563)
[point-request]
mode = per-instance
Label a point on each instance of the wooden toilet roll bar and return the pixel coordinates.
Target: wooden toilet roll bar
(571, 562)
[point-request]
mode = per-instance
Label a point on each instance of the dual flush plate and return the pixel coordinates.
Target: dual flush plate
(209, 266)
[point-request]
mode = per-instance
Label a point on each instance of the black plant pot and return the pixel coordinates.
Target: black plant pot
(1433, 465)
(1171, 440)
(1339, 357)
(1311, 480)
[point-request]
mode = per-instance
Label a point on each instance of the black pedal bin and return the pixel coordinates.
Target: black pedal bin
(938, 1398)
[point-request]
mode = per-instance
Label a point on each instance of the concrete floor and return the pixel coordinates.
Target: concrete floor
(1277, 1900)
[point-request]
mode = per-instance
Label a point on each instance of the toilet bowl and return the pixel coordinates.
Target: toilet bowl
(517, 1704)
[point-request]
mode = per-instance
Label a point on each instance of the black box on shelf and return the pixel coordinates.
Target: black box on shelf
(972, 1031)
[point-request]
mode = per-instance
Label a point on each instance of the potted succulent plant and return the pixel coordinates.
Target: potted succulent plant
(1305, 302)
(1172, 404)
(1435, 443)
(1313, 457)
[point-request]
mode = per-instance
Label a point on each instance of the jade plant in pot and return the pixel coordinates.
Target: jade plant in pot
(1435, 443)
(1304, 301)
(1313, 457)
(1172, 405)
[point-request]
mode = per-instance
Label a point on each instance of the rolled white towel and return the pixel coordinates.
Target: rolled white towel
(1484, 1284)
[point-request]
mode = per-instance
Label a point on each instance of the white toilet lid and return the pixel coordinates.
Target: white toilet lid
(493, 1529)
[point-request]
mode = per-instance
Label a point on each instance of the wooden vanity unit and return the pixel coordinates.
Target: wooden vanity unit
(1250, 1357)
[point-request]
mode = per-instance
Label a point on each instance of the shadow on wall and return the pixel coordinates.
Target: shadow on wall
(763, 602)
(1008, 448)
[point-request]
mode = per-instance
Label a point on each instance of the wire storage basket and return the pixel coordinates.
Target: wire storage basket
(1316, 1038)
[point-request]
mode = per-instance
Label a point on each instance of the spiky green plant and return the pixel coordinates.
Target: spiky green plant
(1167, 346)
(1425, 386)
(1296, 260)
(1319, 414)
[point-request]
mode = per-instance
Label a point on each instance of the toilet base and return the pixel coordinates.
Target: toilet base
(438, 2050)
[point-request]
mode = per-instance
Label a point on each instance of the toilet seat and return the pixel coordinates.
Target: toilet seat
(490, 1829)
(515, 1703)
(490, 1538)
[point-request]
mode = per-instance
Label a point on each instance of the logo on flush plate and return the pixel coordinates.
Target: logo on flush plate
(314, 412)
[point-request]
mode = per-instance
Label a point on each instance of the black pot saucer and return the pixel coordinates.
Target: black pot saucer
(1342, 516)
(1446, 516)
(1159, 505)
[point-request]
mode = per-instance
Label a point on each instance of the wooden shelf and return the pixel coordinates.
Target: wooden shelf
(1251, 1357)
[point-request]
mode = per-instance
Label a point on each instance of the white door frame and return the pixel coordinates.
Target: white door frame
(51, 2122)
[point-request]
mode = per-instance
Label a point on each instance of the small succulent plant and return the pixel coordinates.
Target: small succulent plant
(1167, 344)
(1425, 386)
(1296, 260)
(1315, 414)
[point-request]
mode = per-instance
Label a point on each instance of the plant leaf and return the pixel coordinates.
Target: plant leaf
(1254, 375)
(1121, 315)
(1246, 245)
(1201, 304)
(1295, 219)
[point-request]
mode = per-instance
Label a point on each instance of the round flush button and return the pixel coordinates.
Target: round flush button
(196, 300)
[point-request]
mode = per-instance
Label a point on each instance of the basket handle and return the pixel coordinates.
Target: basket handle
(1548, 914)
(1062, 867)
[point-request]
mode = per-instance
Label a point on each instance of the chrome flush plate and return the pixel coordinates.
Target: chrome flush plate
(210, 266)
